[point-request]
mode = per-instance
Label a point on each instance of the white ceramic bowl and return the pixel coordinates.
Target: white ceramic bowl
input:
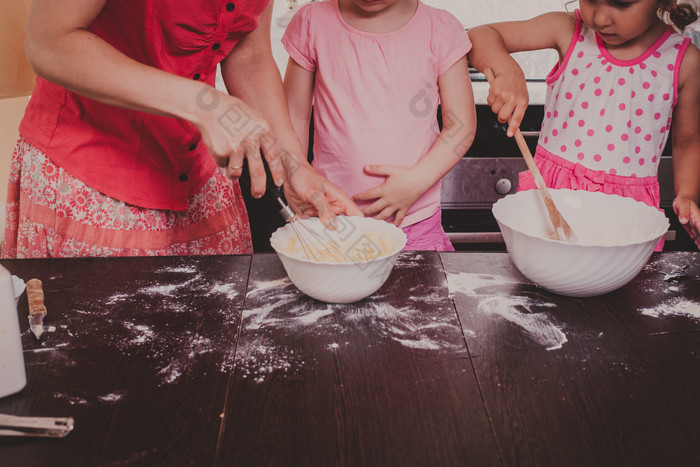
(355, 278)
(615, 238)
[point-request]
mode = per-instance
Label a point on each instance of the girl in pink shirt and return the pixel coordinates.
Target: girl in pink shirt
(623, 77)
(375, 72)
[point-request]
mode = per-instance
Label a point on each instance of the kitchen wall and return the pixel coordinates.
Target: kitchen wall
(11, 111)
(16, 79)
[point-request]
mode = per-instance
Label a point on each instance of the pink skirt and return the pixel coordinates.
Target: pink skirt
(52, 214)
(427, 234)
(559, 173)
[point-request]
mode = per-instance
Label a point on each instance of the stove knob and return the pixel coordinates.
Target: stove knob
(503, 186)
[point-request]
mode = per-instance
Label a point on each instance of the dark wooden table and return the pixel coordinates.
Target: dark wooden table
(456, 360)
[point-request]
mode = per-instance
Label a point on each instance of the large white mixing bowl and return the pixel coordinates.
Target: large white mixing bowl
(615, 238)
(358, 238)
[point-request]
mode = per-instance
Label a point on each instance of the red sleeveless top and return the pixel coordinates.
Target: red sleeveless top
(147, 160)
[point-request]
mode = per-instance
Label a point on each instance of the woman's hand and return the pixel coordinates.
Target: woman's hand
(233, 132)
(401, 188)
(311, 194)
(689, 216)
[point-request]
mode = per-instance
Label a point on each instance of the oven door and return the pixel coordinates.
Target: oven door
(487, 172)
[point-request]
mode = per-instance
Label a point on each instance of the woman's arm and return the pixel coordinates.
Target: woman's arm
(492, 46)
(686, 145)
(403, 186)
(251, 74)
(61, 49)
(299, 86)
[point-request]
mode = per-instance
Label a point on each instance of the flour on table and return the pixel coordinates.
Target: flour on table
(179, 269)
(470, 283)
(142, 333)
(116, 298)
(281, 306)
(672, 268)
(72, 400)
(260, 358)
(122, 323)
(167, 289)
(538, 326)
(46, 349)
(171, 372)
(412, 260)
(110, 398)
(674, 307)
(518, 310)
(227, 289)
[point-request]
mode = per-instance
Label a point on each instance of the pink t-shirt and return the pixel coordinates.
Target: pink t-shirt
(375, 95)
(609, 114)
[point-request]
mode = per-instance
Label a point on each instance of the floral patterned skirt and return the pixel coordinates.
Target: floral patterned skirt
(52, 214)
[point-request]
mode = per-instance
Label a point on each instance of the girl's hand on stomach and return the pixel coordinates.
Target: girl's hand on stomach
(689, 216)
(233, 131)
(401, 188)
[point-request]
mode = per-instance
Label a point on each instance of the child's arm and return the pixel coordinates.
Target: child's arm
(299, 86)
(686, 145)
(403, 186)
(492, 46)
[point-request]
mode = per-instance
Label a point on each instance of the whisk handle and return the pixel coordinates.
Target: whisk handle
(286, 212)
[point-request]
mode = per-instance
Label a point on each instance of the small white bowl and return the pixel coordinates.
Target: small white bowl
(358, 238)
(615, 238)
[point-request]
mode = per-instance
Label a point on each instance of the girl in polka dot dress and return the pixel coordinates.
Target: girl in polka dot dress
(624, 77)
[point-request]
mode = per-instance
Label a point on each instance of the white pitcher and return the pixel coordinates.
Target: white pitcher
(12, 375)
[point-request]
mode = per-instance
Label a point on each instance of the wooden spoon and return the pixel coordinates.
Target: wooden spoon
(562, 230)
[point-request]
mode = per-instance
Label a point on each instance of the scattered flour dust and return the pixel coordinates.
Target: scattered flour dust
(260, 359)
(537, 325)
(122, 323)
(110, 398)
(470, 283)
(674, 307)
(518, 310)
(72, 400)
(142, 333)
(281, 306)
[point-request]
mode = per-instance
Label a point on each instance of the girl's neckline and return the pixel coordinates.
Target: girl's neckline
(632, 61)
(419, 6)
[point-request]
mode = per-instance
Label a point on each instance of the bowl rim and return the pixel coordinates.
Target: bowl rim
(656, 237)
(399, 231)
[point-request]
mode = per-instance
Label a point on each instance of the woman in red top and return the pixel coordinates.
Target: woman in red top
(120, 142)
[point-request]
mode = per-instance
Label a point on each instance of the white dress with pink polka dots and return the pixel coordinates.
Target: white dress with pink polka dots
(612, 115)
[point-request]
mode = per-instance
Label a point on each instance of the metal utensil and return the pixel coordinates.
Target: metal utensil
(48, 427)
(314, 245)
(562, 230)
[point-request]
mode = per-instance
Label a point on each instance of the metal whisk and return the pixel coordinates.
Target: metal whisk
(316, 247)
